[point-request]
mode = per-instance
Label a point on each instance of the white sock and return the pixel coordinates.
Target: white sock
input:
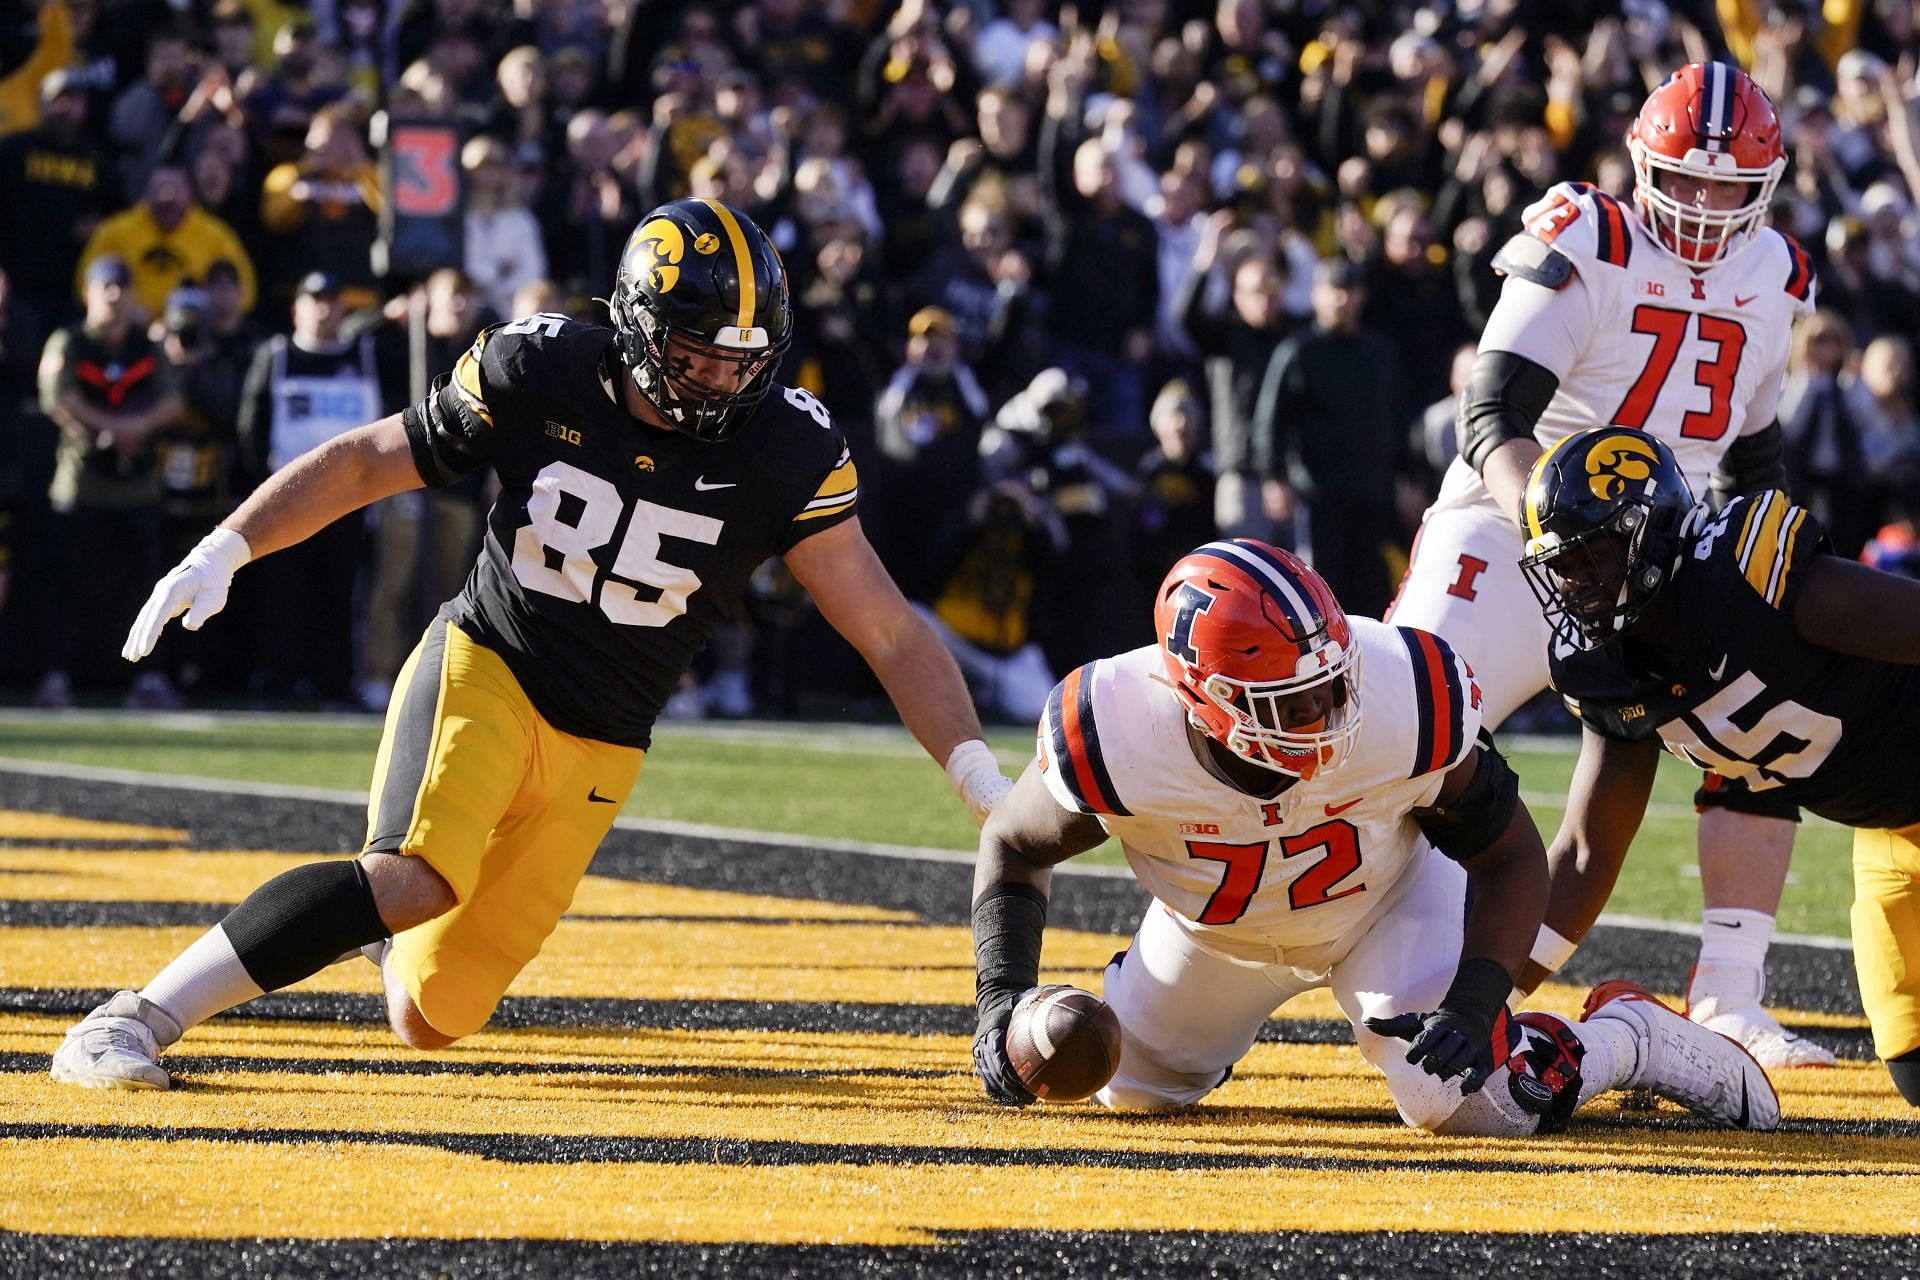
(1612, 1058)
(205, 979)
(1734, 937)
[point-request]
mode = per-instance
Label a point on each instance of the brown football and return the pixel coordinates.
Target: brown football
(1064, 1043)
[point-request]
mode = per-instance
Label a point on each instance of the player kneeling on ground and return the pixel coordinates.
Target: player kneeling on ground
(645, 472)
(1737, 643)
(1291, 842)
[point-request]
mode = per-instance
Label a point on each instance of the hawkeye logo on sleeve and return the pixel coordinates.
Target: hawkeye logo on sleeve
(561, 431)
(1616, 464)
(643, 463)
(656, 250)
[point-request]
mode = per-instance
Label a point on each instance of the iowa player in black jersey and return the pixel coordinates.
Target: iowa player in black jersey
(1740, 645)
(645, 470)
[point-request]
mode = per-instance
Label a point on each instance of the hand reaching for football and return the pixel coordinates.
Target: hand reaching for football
(990, 1061)
(197, 587)
(1445, 1043)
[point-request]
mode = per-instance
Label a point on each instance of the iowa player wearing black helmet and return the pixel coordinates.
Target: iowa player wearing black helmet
(701, 310)
(1740, 645)
(645, 472)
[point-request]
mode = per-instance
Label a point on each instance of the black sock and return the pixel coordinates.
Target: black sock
(298, 923)
(1905, 1070)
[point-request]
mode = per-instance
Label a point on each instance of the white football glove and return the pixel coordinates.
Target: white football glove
(197, 585)
(977, 779)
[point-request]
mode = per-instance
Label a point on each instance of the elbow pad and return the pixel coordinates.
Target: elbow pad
(1480, 814)
(1505, 396)
(1751, 464)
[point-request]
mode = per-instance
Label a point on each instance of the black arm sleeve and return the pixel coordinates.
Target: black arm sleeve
(1751, 464)
(1505, 396)
(1008, 921)
(1480, 814)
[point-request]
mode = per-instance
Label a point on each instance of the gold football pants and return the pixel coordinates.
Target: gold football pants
(507, 808)
(1886, 935)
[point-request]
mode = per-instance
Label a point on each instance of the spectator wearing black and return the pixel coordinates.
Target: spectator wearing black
(196, 460)
(1103, 277)
(1236, 339)
(56, 183)
(585, 211)
(983, 284)
(841, 333)
(303, 390)
(792, 42)
(1039, 438)
(927, 426)
(1174, 511)
(144, 112)
(1327, 437)
(1413, 299)
(280, 105)
(110, 390)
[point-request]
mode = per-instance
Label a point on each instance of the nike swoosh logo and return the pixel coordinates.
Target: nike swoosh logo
(1713, 673)
(1739, 301)
(1741, 1123)
(1334, 810)
(700, 485)
(1737, 924)
(593, 795)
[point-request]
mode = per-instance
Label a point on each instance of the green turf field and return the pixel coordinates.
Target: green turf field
(853, 784)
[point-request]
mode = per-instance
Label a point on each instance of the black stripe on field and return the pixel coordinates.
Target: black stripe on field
(1811, 978)
(551, 1148)
(14, 1063)
(1406, 1255)
(728, 1015)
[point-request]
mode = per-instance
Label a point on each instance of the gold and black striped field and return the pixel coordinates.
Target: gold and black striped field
(742, 1058)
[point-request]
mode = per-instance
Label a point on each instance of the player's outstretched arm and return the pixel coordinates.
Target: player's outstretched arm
(1025, 837)
(1851, 608)
(857, 596)
(1605, 803)
(346, 473)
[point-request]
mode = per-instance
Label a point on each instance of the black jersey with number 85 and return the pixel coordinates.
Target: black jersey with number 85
(615, 547)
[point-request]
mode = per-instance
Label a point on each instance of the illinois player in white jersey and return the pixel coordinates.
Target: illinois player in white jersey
(1671, 317)
(1291, 842)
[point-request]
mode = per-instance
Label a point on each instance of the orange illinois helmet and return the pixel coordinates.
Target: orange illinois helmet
(1707, 121)
(1244, 626)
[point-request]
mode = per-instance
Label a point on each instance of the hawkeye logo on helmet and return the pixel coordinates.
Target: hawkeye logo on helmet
(663, 239)
(1614, 465)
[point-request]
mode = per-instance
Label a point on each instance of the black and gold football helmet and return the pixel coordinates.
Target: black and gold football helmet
(701, 311)
(1605, 517)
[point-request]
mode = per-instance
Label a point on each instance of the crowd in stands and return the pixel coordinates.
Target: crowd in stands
(1084, 284)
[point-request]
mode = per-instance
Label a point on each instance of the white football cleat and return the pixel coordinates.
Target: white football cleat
(1709, 1074)
(1726, 998)
(114, 1047)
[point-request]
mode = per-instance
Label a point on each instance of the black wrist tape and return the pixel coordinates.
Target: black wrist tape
(1008, 922)
(1481, 988)
(301, 921)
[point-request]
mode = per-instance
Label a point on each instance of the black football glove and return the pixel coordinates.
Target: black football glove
(1467, 1036)
(990, 1055)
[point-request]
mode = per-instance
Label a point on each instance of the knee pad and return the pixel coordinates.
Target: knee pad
(1905, 1070)
(1715, 794)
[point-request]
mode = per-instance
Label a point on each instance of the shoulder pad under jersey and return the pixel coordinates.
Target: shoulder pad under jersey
(1584, 223)
(1528, 258)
